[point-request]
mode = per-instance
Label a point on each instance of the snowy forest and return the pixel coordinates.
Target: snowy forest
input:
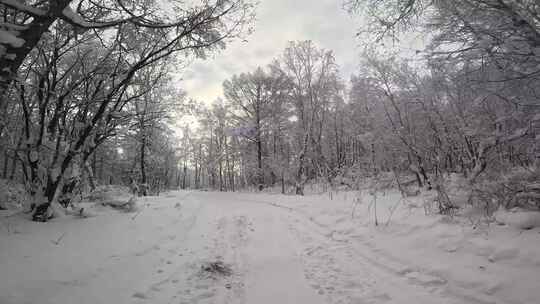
(443, 107)
(87, 93)
(88, 99)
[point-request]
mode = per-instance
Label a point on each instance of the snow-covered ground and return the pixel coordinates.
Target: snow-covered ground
(280, 249)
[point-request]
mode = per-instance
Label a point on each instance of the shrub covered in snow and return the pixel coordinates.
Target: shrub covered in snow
(13, 195)
(516, 188)
(518, 218)
(118, 197)
(107, 193)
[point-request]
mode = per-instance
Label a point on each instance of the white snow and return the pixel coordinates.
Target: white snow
(74, 17)
(519, 219)
(55, 173)
(34, 156)
(13, 27)
(19, 5)
(9, 38)
(281, 249)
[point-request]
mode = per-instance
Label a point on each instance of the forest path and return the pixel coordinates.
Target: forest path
(168, 251)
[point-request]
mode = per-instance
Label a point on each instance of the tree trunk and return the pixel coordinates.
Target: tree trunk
(479, 167)
(14, 161)
(300, 180)
(184, 176)
(229, 174)
(142, 163)
(536, 133)
(90, 173)
(260, 173)
(221, 188)
(196, 176)
(282, 183)
(6, 159)
(94, 163)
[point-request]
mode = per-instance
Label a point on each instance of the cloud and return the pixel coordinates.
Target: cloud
(278, 21)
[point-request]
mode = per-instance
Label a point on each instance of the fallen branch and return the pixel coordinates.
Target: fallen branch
(136, 214)
(57, 242)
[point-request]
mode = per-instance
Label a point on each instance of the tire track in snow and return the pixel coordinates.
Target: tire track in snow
(175, 264)
(349, 278)
(466, 293)
(190, 283)
(427, 283)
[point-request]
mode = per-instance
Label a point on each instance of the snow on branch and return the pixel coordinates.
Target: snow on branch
(8, 38)
(519, 133)
(18, 5)
(70, 16)
(75, 19)
(13, 27)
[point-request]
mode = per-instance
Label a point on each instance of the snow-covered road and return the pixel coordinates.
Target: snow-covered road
(277, 253)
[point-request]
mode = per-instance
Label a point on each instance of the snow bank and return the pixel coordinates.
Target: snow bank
(518, 218)
(114, 196)
(155, 255)
(465, 251)
(107, 193)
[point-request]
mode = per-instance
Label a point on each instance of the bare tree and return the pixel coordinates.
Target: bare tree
(255, 96)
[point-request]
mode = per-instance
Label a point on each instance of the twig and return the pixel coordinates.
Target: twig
(57, 242)
(281, 206)
(136, 214)
(355, 203)
(392, 209)
(375, 204)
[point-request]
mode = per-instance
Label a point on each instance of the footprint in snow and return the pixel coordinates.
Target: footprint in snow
(425, 279)
(504, 254)
(140, 295)
(204, 295)
(376, 299)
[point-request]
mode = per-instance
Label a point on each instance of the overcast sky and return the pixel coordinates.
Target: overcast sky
(278, 21)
